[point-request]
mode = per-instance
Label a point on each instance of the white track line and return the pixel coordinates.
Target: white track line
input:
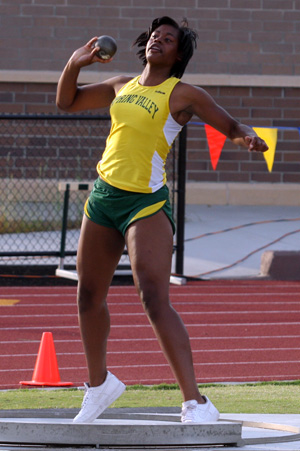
(204, 284)
(117, 326)
(195, 351)
(202, 380)
(166, 365)
(148, 326)
(181, 294)
(142, 314)
(195, 302)
(221, 380)
(130, 340)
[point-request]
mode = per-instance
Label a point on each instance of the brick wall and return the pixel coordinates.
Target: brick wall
(28, 98)
(254, 38)
(260, 107)
(235, 36)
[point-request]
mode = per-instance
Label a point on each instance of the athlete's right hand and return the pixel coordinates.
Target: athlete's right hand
(86, 55)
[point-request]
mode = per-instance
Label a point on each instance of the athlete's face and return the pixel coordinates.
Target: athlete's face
(163, 45)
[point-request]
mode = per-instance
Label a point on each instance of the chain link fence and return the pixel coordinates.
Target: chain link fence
(38, 153)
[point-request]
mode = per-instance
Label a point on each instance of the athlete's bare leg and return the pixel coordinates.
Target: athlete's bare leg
(99, 251)
(149, 243)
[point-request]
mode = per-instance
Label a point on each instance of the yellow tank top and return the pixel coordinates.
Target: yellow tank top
(141, 135)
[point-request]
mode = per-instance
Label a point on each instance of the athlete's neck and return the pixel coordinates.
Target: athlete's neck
(153, 76)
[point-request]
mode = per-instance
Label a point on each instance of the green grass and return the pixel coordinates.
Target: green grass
(269, 397)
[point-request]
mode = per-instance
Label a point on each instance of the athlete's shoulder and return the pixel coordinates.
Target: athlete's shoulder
(183, 100)
(187, 89)
(186, 93)
(119, 81)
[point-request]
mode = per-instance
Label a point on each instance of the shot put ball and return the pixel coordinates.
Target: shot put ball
(108, 47)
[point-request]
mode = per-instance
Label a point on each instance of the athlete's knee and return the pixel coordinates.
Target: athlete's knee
(88, 298)
(84, 299)
(154, 302)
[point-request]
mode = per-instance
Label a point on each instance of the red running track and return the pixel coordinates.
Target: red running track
(240, 331)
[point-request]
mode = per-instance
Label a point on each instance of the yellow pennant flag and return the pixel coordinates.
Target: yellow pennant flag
(269, 135)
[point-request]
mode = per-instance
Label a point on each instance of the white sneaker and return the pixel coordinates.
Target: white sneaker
(97, 399)
(192, 412)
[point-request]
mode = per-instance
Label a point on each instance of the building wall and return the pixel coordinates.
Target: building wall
(247, 58)
(235, 36)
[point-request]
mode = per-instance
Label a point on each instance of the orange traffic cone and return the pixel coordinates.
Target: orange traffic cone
(46, 369)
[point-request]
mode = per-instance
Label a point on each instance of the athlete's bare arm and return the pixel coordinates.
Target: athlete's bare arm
(187, 100)
(71, 97)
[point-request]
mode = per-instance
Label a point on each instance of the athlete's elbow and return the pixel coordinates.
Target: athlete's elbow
(63, 106)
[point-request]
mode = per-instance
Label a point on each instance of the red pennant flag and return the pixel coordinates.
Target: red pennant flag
(216, 141)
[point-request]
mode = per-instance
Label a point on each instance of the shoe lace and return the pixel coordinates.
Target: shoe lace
(189, 412)
(86, 396)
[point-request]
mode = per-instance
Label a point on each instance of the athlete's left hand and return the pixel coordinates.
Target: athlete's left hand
(256, 144)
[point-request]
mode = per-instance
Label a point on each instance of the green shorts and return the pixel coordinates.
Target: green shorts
(112, 207)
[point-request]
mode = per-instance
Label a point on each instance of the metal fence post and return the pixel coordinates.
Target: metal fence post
(64, 227)
(181, 201)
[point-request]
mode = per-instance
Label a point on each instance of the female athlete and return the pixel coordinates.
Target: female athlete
(129, 204)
